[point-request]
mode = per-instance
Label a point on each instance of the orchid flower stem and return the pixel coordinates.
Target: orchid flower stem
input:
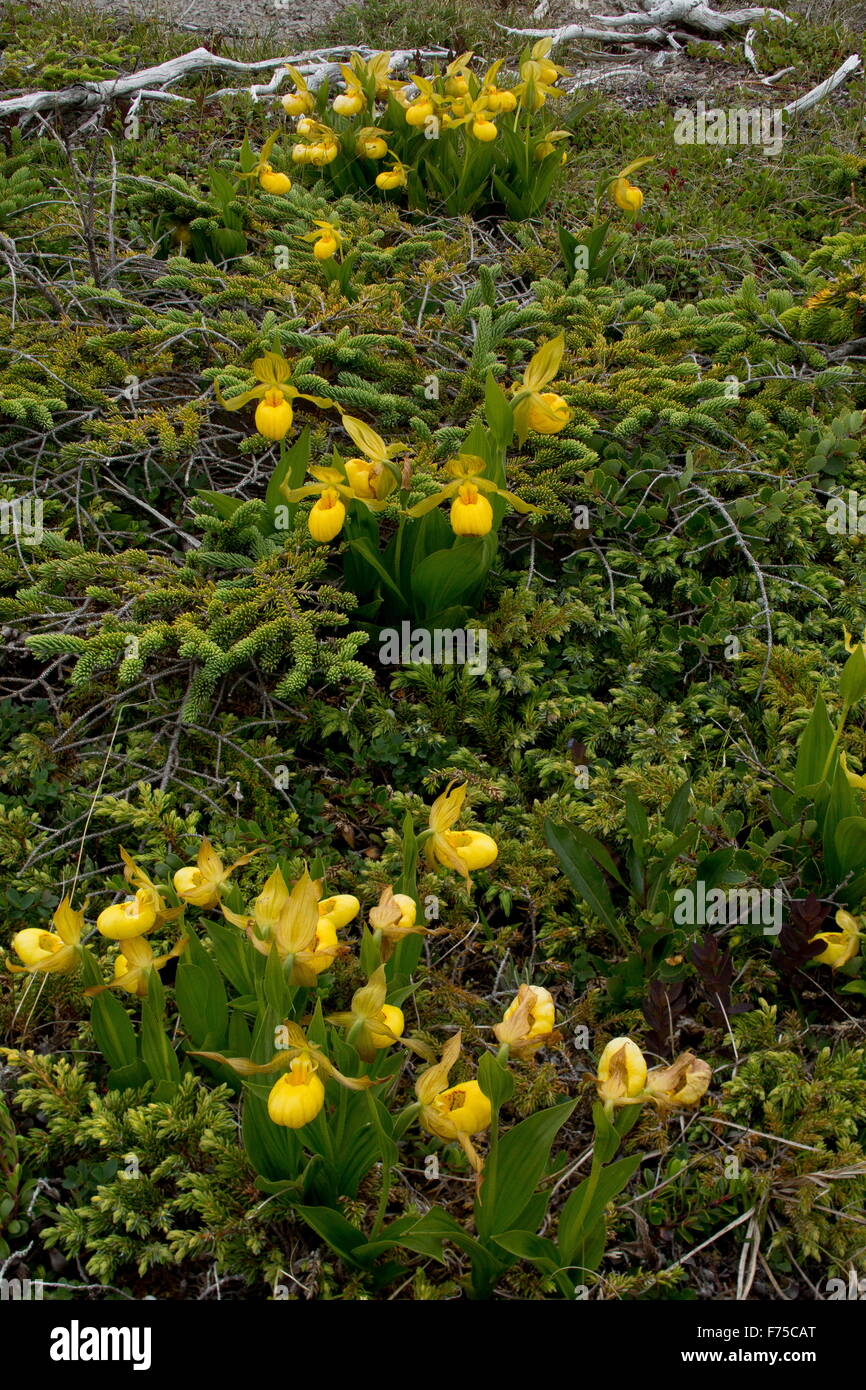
(386, 1165)
(324, 1129)
(835, 744)
(398, 551)
(405, 1117)
(378, 940)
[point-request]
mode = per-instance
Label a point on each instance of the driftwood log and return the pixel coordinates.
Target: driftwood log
(315, 66)
(654, 21)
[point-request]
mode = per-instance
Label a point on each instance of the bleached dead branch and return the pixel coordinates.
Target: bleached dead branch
(823, 89)
(653, 22)
(316, 66)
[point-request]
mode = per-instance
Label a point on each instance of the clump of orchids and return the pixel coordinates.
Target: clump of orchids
(378, 475)
(624, 1079)
(458, 135)
(297, 923)
(274, 951)
(453, 1112)
(128, 923)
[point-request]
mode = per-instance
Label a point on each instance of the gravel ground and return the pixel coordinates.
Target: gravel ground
(232, 18)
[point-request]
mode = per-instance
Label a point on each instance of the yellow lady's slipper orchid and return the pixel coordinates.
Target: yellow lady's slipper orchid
(138, 915)
(325, 248)
(323, 152)
(476, 115)
(855, 779)
(134, 917)
(471, 513)
(370, 143)
(326, 516)
(477, 850)
(302, 933)
(491, 97)
(135, 965)
(289, 923)
(269, 179)
(534, 409)
(360, 475)
(266, 910)
(452, 1112)
(199, 884)
(389, 179)
(622, 1074)
(392, 1021)
(353, 101)
(274, 415)
(539, 65)
(547, 146)
(393, 918)
(349, 103)
(293, 1111)
(327, 240)
(538, 75)
(368, 481)
(484, 130)
(842, 945)
(298, 1096)
(340, 909)
(372, 1025)
(625, 194)
(33, 945)
(459, 850)
(680, 1085)
(272, 181)
(394, 914)
(374, 477)
(529, 1021)
(326, 948)
(332, 491)
(851, 644)
(376, 69)
(419, 111)
(456, 75)
(548, 413)
(54, 953)
(275, 392)
(321, 147)
(301, 100)
(468, 471)
(465, 1107)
